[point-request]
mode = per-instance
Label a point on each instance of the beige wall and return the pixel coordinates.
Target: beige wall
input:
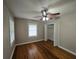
(65, 31)
(7, 48)
(68, 31)
(21, 30)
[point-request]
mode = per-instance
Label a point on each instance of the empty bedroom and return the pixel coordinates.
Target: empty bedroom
(39, 29)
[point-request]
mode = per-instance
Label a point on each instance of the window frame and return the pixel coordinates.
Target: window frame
(36, 29)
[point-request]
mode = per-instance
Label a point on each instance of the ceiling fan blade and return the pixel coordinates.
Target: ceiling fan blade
(53, 13)
(37, 16)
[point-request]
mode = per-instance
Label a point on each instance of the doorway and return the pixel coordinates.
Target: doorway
(50, 33)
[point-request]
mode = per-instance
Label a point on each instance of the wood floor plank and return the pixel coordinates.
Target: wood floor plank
(41, 50)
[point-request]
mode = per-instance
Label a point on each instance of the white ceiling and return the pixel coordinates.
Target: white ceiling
(31, 8)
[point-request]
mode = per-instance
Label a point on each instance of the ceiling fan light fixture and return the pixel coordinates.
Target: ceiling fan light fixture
(44, 18)
(47, 18)
(44, 13)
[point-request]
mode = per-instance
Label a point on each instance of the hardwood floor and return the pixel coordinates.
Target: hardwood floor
(41, 50)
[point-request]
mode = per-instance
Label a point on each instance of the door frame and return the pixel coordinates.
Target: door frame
(55, 40)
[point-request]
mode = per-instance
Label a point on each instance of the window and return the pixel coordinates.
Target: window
(32, 30)
(11, 23)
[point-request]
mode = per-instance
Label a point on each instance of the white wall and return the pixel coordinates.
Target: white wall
(7, 48)
(21, 30)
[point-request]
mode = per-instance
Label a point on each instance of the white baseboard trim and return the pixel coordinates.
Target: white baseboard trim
(22, 44)
(67, 50)
(29, 42)
(12, 52)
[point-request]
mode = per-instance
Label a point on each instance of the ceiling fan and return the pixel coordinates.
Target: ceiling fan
(46, 15)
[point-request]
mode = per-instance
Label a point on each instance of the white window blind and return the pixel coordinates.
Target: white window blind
(32, 29)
